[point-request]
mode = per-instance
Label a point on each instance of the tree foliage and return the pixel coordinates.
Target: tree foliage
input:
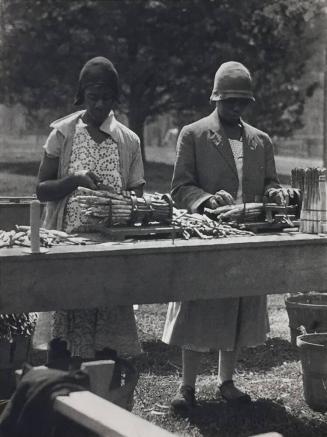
(166, 52)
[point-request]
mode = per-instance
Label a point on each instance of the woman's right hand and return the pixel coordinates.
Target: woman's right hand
(211, 203)
(87, 179)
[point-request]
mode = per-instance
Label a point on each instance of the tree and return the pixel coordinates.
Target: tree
(166, 52)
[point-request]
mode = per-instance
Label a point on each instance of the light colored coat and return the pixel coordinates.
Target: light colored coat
(204, 165)
(59, 145)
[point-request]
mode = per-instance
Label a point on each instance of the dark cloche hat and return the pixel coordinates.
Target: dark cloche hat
(232, 79)
(97, 71)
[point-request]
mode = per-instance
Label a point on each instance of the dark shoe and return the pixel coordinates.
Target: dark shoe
(231, 393)
(184, 400)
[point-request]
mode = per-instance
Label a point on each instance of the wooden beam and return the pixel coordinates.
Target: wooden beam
(160, 271)
(100, 374)
(105, 418)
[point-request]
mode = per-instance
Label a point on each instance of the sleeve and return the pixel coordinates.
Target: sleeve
(271, 178)
(136, 169)
(185, 188)
(52, 146)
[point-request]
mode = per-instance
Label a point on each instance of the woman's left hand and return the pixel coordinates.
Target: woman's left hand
(224, 198)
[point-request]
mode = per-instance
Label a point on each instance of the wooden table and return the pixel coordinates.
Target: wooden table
(161, 271)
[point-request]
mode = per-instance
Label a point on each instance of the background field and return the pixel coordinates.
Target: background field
(20, 157)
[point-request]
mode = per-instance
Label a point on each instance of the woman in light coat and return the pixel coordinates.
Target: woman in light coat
(220, 160)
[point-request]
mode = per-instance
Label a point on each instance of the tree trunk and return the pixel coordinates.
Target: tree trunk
(136, 124)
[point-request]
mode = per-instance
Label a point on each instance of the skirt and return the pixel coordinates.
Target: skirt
(89, 330)
(225, 324)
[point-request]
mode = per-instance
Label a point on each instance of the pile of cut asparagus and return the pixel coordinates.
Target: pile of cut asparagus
(198, 225)
(240, 213)
(312, 182)
(124, 208)
(48, 238)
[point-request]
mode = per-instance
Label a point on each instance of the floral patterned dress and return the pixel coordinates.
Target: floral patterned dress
(90, 330)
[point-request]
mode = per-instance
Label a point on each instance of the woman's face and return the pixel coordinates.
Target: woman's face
(232, 109)
(98, 101)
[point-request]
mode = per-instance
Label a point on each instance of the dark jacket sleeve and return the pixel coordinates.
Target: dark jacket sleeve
(271, 178)
(185, 188)
(30, 410)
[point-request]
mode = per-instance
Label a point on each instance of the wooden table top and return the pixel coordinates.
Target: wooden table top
(153, 271)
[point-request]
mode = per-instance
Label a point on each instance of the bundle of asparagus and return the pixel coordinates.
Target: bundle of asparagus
(106, 206)
(313, 213)
(48, 238)
(240, 213)
(323, 199)
(125, 208)
(197, 225)
(152, 208)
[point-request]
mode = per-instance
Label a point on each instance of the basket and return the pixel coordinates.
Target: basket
(313, 353)
(308, 310)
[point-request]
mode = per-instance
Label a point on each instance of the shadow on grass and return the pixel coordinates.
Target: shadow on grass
(273, 353)
(164, 359)
(214, 418)
(21, 168)
(161, 358)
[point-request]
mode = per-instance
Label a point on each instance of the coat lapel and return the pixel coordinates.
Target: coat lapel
(219, 141)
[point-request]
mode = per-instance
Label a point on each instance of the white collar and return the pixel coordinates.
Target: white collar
(108, 126)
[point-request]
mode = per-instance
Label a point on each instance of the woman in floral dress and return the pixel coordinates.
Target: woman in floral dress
(83, 149)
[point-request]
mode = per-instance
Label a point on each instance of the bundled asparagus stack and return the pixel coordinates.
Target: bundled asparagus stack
(313, 213)
(240, 213)
(125, 208)
(48, 238)
(152, 208)
(197, 225)
(323, 199)
(106, 206)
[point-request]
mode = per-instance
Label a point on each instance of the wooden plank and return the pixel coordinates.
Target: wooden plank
(100, 374)
(160, 271)
(153, 231)
(142, 247)
(105, 418)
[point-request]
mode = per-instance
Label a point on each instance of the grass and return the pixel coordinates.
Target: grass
(270, 373)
